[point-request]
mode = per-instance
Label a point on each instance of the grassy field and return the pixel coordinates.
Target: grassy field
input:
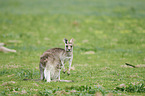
(107, 34)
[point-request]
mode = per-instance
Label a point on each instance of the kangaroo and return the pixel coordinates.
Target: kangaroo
(53, 60)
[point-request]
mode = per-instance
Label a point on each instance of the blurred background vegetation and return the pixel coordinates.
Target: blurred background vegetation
(107, 34)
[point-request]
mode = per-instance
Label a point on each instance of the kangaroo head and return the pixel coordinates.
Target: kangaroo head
(68, 45)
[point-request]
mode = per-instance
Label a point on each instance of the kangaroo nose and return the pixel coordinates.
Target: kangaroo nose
(68, 49)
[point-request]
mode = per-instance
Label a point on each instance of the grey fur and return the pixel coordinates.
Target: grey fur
(53, 60)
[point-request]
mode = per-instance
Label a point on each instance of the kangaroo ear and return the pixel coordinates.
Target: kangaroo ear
(65, 41)
(72, 40)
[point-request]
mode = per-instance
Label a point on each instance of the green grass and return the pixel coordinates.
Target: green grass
(113, 30)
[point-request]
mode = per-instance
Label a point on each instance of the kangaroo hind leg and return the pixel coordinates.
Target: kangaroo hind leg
(47, 75)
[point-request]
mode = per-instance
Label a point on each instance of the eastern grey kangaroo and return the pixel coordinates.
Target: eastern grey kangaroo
(53, 60)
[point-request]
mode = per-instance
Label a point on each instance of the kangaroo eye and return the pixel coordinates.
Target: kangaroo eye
(70, 46)
(67, 46)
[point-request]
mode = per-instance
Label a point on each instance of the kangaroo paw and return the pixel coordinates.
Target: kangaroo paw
(64, 71)
(68, 73)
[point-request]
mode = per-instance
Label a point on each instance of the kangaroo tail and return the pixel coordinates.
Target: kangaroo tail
(27, 79)
(62, 80)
